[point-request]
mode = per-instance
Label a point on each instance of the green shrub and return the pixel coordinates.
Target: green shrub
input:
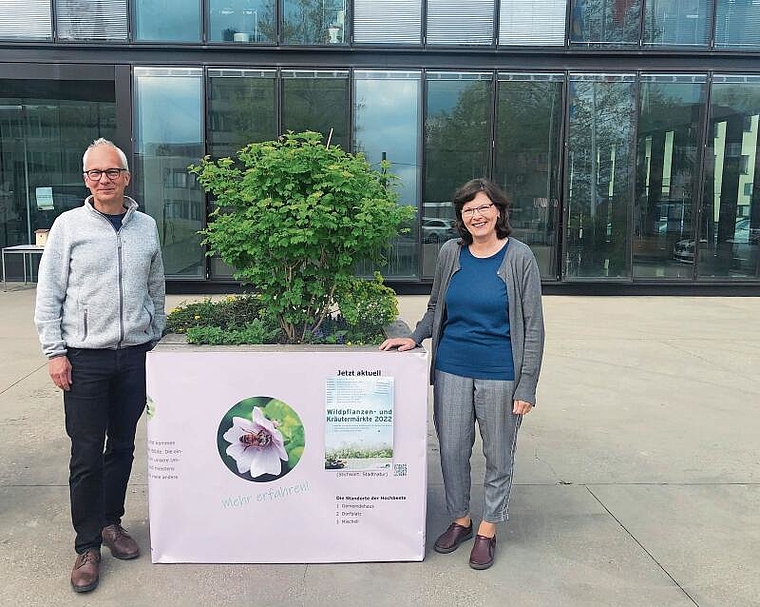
(293, 218)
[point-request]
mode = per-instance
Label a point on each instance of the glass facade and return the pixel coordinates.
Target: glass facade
(598, 182)
(457, 127)
(729, 234)
(169, 137)
(624, 131)
(167, 20)
(671, 111)
(679, 22)
(242, 21)
(387, 110)
(44, 130)
(528, 159)
(616, 22)
(315, 22)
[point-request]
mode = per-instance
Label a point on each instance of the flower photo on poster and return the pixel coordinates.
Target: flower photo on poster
(260, 439)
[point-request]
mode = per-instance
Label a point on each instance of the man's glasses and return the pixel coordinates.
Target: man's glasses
(97, 174)
(481, 210)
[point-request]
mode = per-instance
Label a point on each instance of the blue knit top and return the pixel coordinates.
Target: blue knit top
(476, 341)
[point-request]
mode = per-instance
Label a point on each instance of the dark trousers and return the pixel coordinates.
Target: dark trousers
(103, 407)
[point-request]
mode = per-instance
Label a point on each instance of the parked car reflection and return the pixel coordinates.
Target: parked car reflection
(436, 229)
(744, 246)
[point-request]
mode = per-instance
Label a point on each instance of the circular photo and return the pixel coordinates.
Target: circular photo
(260, 439)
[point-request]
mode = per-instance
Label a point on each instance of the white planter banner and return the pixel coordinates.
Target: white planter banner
(286, 457)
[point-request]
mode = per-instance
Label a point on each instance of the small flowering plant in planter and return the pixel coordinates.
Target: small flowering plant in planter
(294, 218)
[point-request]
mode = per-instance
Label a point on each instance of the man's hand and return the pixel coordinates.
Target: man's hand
(59, 369)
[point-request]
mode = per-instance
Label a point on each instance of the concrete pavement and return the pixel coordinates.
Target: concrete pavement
(637, 479)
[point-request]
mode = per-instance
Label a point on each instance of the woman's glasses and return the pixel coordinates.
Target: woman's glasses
(481, 210)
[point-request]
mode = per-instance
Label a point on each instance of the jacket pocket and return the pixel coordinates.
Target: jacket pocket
(85, 322)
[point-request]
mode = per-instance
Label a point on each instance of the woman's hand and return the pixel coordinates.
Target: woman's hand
(402, 343)
(521, 407)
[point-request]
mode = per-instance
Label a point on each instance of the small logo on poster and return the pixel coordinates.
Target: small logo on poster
(260, 439)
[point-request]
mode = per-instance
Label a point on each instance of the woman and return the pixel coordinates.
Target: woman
(484, 316)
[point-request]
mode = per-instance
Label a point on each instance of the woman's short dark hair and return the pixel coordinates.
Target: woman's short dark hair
(468, 191)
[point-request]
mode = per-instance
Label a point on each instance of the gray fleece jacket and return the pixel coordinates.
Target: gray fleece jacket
(520, 272)
(99, 288)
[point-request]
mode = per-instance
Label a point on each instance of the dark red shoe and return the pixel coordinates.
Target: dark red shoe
(120, 543)
(482, 553)
(86, 573)
(450, 539)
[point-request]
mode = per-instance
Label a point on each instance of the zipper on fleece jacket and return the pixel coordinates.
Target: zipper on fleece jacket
(121, 287)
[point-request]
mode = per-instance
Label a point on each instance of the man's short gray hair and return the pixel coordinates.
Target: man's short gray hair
(102, 141)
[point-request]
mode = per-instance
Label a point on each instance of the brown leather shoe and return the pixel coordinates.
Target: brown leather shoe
(482, 553)
(450, 539)
(86, 573)
(120, 543)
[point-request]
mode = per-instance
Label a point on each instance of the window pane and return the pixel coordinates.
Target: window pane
(316, 101)
(169, 137)
(241, 108)
(605, 21)
(45, 127)
(451, 22)
(387, 110)
(167, 20)
(729, 238)
(737, 23)
(242, 111)
(91, 19)
(670, 119)
(457, 148)
(600, 138)
(26, 19)
(677, 22)
(315, 22)
(243, 21)
(528, 159)
(532, 22)
(389, 22)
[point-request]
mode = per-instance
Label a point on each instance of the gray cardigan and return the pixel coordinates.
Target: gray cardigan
(520, 273)
(99, 288)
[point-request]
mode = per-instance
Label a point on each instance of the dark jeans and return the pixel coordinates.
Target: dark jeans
(105, 402)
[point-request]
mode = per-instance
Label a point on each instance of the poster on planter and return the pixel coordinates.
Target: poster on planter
(358, 423)
(314, 455)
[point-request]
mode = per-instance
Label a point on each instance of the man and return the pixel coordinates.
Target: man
(100, 308)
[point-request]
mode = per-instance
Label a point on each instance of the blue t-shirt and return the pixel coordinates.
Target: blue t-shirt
(476, 341)
(116, 220)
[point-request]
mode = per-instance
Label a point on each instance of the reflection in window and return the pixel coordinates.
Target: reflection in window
(243, 21)
(605, 21)
(167, 20)
(26, 19)
(670, 118)
(600, 138)
(388, 22)
(44, 130)
(451, 22)
(528, 159)
(737, 23)
(387, 110)
(91, 19)
(532, 22)
(315, 22)
(457, 146)
(729, 237)
(241, 109)
(168, 137)
(683, 22)
(317, 101)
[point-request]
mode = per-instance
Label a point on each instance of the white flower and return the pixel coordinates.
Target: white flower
(256, 446)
